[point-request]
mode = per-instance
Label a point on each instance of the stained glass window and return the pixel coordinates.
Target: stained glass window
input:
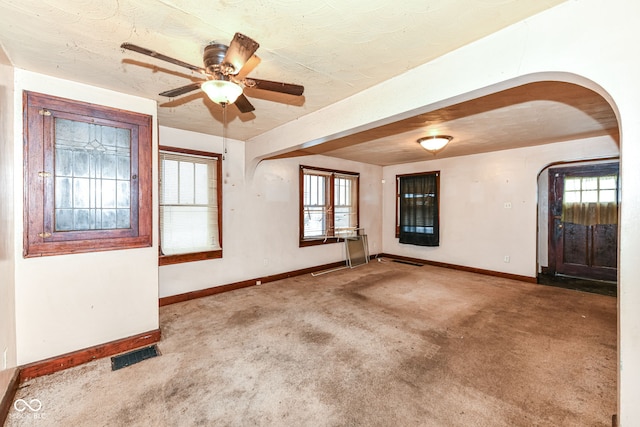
(87, 177)
(92, 176)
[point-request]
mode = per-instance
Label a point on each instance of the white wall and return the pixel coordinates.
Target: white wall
(586, 42)
(69, 302)
(7, 256)
(260, 217)
(476, 230)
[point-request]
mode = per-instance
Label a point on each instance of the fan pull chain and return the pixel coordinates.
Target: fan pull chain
(224, 130)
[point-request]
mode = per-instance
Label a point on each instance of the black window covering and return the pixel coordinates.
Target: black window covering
(419, 222)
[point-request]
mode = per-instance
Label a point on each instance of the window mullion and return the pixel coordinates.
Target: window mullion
(331, 226)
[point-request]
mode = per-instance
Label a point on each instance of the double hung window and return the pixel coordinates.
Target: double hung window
(328, 205)
(190, 205)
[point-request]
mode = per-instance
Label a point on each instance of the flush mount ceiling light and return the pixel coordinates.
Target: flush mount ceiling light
(222, 91)
(434, 143)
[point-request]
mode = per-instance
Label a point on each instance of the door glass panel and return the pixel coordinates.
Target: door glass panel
(590, 200)
(608, 182)
(607, 196)
(589, 183)
(590, 196)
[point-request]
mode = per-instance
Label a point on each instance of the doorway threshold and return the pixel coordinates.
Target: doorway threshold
(601, 287)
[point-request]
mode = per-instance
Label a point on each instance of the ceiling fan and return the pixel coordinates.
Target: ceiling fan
(222, 64)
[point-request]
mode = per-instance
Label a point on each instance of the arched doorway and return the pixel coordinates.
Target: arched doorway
(578, 225)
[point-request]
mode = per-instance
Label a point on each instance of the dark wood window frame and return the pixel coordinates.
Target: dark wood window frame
(331, 198)
(40, 238)
(437, 175)
(196, 256)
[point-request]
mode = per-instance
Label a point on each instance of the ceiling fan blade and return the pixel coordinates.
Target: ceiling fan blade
(181, 90)
(154, 54)
(240, 50)
(289, 88)
(248, 67)
(244, 105)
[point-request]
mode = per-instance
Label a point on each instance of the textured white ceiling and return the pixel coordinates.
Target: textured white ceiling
(335, 48)
(533, 114)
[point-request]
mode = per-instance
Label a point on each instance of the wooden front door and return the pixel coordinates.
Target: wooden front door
(583, 221)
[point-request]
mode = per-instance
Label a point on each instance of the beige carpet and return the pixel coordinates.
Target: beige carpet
(385, 344)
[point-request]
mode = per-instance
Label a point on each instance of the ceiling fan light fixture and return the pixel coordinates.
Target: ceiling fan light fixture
(221, 63)
(434, 143)
(222, 91)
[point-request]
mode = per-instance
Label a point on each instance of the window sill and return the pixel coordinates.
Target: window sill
(322, 241)
(182, 258)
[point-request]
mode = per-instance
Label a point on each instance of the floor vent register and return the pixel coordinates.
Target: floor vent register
(132, 357)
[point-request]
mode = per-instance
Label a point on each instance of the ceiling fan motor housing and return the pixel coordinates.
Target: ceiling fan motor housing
(213, 57)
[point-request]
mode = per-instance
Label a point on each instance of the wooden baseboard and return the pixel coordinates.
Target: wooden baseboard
(8, 396)
(265, 279)
(205, 292)
(244, 284)
(463, 268)
(69, 360)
